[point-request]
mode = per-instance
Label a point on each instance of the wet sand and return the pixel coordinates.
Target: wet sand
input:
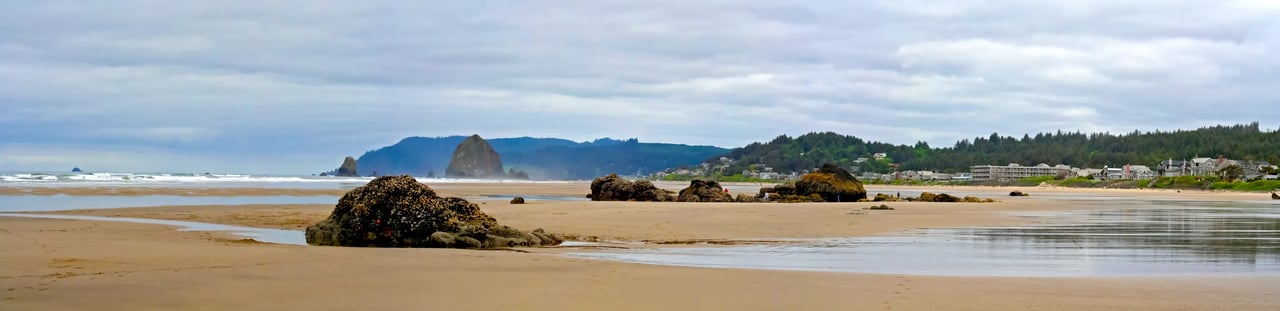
(75, 265)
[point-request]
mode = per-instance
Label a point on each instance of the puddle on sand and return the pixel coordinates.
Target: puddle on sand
(1186, 238)
(278, 236)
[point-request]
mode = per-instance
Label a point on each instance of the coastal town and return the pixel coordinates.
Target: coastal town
(1220, 167)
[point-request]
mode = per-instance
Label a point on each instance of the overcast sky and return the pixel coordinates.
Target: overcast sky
(293, 86)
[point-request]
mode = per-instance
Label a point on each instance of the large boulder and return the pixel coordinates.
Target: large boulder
(704, 191)
(475, 158)
(614, 188)
(348, 168)
(832, 183)
(398, 211)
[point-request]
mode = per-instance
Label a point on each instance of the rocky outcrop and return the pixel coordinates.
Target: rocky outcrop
(947, 198)
(833, 183)
(475, 158)
(348, 168)
(704, 191)
(882, 207)
(398, 211)
(880, 197)
(614, 188)
(514, 174)
(829, 184)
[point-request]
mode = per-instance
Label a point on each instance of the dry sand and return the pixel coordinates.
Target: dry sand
(78, 265)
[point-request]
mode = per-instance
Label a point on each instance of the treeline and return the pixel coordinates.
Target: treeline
(1246, 141)
(590, 161)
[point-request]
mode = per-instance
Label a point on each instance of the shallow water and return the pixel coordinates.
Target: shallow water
(45, 203)
(278, 236)
(1176, 238)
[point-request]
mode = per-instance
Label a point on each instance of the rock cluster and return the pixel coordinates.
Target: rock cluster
(704, 191)
(829, 184)
(881, 207)
(929, 197)
(475, 158)
(398, 211)
(348, 168)
(614, 188)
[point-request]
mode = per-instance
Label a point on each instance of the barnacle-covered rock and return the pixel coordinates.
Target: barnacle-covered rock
(704, 191)
(614, 188)
(398, 211)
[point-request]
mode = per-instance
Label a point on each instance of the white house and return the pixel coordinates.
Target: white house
(1139, 172)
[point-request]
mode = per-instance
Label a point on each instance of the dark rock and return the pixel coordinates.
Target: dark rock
(514, 174)
(746, 198)
(942, 198)
(882, 207)
(475, 158)
(1016, 193)
(704, 191)
(614, 188)
(777, 191)
(348, 168)
(517, 200)
(833, 183)
(397, 211)
(880, 197)
(829, 184)
(1275, 196)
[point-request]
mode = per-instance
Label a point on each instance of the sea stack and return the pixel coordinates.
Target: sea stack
(475, 158)
(348, 168)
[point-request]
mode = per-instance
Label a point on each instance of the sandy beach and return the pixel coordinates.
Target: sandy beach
(76, 265)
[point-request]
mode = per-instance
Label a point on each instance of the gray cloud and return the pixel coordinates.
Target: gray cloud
(293, 85)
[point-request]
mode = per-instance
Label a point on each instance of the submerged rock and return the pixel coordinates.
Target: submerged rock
(398, 211)
(475, 158)
(704, 191)
(614, 188)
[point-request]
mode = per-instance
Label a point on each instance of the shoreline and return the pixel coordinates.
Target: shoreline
(72, 264)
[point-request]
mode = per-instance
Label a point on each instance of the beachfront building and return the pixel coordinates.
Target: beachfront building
(1013, 172)
(1172, 168)
(1140, 172)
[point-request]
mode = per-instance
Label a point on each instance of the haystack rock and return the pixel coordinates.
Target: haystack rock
(475, 158)
(348, 168)
(614, 188)
(704, 191)
(398, 211)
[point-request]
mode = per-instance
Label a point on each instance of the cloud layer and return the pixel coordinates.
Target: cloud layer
(291, 86)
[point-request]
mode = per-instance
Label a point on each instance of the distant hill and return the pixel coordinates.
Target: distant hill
(786, 154)
(542, 158)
